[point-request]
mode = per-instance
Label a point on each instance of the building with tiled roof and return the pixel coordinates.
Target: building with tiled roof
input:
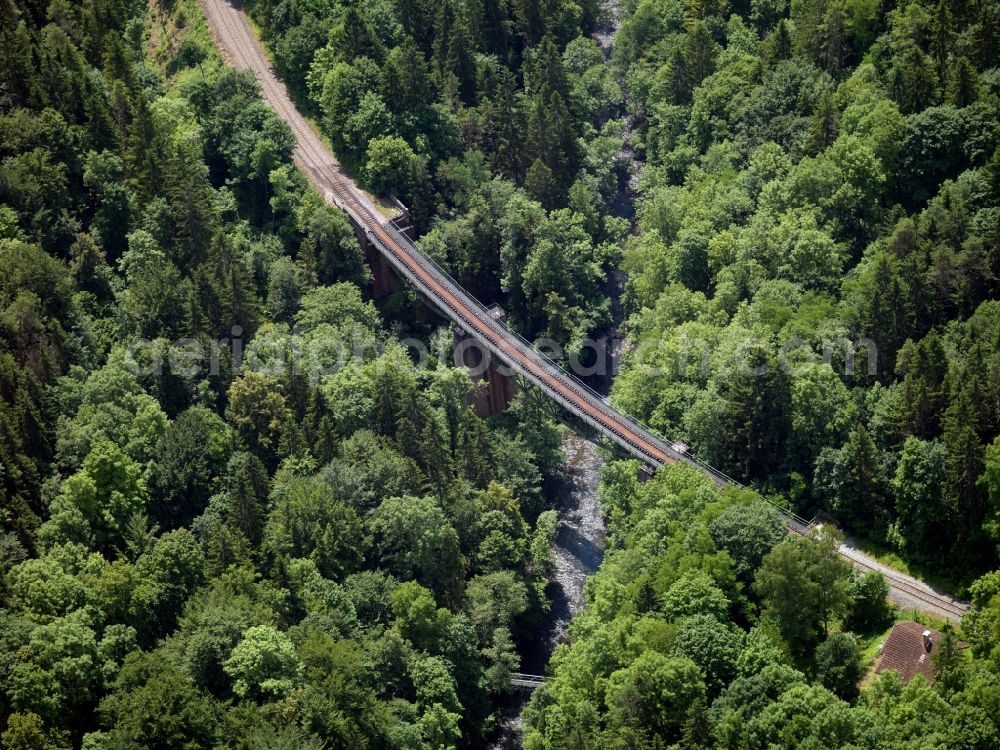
(909, 650)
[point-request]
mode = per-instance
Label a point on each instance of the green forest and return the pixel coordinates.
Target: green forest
(270, 552)
(832, 175)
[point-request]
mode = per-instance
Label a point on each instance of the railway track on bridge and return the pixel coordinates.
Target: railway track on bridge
(237, 41)
(238, 44)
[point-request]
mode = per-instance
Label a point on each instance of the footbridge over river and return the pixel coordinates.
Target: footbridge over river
(241, 48)
(526, 681)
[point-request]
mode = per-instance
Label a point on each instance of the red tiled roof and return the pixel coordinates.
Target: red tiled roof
(905, 651)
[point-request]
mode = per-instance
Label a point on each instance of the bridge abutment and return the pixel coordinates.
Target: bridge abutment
(385, 279)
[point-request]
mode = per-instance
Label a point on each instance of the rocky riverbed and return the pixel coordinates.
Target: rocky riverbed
(577, 552)
(579, 546)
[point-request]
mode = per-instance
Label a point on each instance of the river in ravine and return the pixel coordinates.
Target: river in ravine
(577, 552)
(579, 545)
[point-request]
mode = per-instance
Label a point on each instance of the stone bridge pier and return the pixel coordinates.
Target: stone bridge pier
(494, 387)
(385, 280)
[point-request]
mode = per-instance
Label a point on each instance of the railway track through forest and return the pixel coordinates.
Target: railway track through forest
(240, 47)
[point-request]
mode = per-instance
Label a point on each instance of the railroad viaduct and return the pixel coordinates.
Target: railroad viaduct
(390, 248)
